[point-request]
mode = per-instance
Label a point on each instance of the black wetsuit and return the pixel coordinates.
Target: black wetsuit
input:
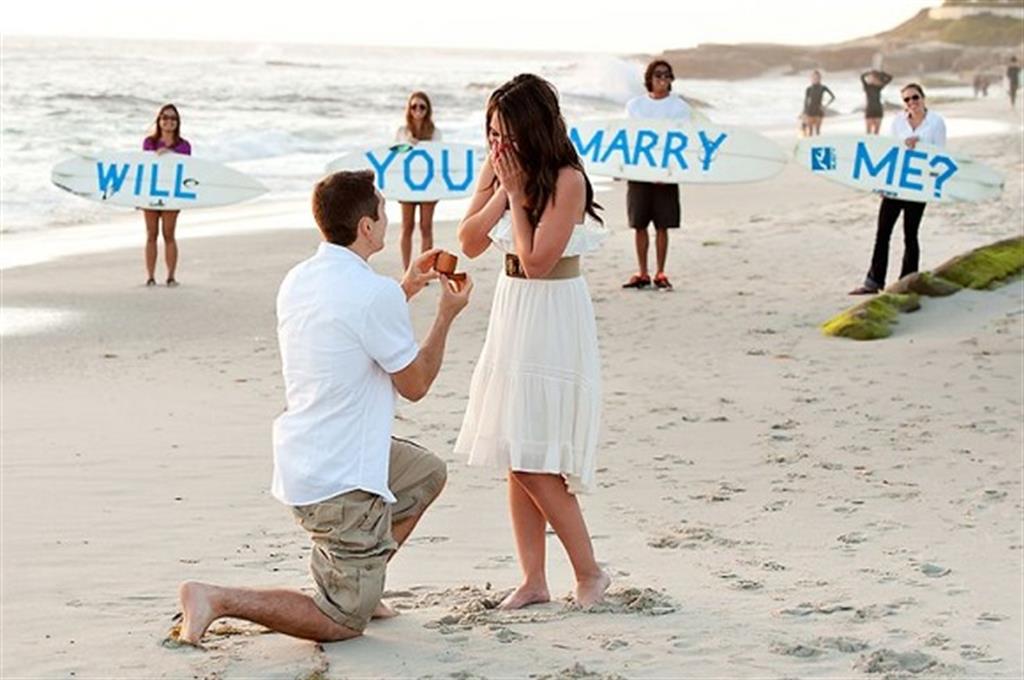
(874, 93)
(812, 100)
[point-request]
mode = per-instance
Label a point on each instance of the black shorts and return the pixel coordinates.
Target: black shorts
(647, 202)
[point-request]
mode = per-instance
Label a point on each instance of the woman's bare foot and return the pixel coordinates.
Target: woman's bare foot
(591, 591)
(199, 610)
(525, 595)
(383, 611)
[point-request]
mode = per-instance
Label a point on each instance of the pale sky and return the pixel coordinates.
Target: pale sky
(625, 27)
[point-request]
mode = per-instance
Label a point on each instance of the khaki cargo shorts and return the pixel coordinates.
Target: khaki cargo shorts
(352, 534)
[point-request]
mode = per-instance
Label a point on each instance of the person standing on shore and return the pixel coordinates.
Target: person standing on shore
(164, 137)
(347, 347)
(419, 127)
(814, 105)
(873, 82)
(916, 125)
(1013, 80)
(534, 406)
(655, 202)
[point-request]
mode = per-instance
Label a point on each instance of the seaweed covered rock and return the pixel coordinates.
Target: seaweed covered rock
(871, 319)
(924, 283)
(985, 266)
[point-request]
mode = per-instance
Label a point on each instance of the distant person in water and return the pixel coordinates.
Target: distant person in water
(873, 82)
(981, 84)
(814, 108)
(1013, 80)
(164, 137)
(419, 127)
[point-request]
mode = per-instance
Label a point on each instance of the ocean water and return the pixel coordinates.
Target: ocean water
(282, 112)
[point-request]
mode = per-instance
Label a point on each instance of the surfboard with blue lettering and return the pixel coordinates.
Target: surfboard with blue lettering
(886, 166)
(143, 179)
(675, 152)
(424, 172)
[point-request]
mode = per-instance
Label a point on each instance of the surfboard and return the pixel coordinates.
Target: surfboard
(143, 179)
(675, 152)
(885, 166)
(427, 171)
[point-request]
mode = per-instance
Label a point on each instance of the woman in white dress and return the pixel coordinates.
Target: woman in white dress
(535, 398)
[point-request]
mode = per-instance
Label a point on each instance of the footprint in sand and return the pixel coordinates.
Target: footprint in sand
(889, 662)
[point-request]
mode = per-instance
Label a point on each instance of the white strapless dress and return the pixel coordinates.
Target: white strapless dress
(535, 396)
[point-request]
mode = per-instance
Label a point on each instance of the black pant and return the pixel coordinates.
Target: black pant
(888, 212)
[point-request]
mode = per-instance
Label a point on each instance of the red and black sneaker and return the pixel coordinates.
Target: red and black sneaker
(661, 281)
(637, 281)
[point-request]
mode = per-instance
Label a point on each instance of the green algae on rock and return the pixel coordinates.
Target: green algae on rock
(982, 267)
(871, 319)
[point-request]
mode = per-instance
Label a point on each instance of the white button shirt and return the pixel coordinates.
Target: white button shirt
(343, 329)
(932, 129)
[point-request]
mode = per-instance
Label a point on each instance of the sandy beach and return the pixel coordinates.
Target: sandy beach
(772, 503)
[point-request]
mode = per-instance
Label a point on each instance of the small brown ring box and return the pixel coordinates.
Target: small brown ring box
(445, 264)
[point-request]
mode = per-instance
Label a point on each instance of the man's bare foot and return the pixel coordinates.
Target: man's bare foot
(591, 591)
(383, 611)
(199, 611)
(526, 595)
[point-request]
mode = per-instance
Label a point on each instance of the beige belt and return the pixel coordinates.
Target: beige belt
(566, 268)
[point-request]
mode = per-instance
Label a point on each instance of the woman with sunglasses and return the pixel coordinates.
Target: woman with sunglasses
(535, 397)
(419, 127)
(814, 105)
(915, 125)
(164, 137)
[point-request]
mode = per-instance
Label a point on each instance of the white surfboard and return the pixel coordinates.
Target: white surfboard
(675, 152)
(427, 171)
(143, 179)
(885, 166)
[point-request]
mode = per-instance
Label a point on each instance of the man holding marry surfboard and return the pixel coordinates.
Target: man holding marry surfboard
(648, 202)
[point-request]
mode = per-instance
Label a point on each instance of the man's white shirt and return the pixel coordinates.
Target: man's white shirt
(343, 330)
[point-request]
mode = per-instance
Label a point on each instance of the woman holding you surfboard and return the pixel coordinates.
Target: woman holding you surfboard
(164, 137)
(915, 125)
(419, 127)
(535, 397)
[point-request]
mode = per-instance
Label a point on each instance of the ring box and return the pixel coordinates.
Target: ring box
(445, 264)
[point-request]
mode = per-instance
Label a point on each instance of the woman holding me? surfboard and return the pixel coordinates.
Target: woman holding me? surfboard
(419, 127)
(164, 136)
(914, 125)
(535, 397)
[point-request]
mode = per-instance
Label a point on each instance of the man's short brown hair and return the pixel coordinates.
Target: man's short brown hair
(340, 201)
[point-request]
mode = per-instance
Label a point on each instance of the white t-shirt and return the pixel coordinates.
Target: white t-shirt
(932, 129)
(404, 134)
(645, 106)
(343, 329)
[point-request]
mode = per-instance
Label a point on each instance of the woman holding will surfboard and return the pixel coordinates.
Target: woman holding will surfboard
(419, 127)
(534, 406)
(164, 137)
(915, 125)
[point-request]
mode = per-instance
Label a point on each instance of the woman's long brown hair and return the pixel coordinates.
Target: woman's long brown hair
(155, 134)
(528, 108)
(425, 131)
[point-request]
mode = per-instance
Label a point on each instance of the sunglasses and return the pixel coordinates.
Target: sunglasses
(911, 98)
(165, 116)
(664, 75)
(418, 107)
